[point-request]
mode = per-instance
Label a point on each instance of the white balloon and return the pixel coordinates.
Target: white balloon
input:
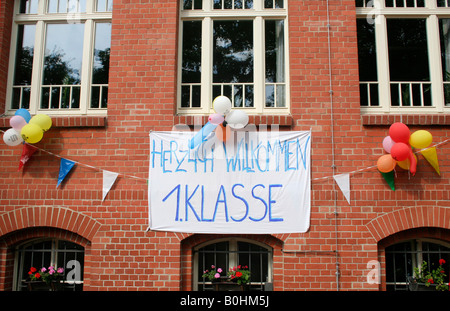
(12, 138)
(237, 119)
(222, 104)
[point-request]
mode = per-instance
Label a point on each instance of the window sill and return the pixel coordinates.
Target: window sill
(281, 120)
(409, 119)
(67, 121)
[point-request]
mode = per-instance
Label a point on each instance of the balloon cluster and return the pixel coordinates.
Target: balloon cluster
(222, 121)
(399, 145)
(26, 128)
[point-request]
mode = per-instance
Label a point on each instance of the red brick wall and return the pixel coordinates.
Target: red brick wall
(121, 255)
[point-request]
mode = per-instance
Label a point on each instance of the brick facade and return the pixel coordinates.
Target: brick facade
(121, 255)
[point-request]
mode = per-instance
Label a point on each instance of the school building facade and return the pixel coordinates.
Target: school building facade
(108, 73)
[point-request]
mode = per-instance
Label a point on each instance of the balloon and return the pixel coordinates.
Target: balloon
(12, 138)
(420, 139)
(222, 105)
(32, 133)
(43, 121)
(386, 163)
(399, 133)
(406, 164)
(413, 161)
(223, 132)
(388, 143)
(201, 136)
(237, 119)
(216, 118)
(24, 113)
(400, 151)
(17, 122)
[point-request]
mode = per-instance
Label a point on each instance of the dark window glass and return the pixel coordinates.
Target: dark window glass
(233, 51)
(408, 50)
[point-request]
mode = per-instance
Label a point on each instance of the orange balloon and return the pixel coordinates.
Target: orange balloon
(223, 132)
(386, 163)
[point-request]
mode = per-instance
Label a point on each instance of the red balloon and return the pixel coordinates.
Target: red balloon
(413, 163)
(399, 133)
(400, 151)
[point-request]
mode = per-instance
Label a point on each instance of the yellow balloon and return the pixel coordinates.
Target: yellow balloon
(31, 133)
(43, 120)
(405, 164)
(420, 139)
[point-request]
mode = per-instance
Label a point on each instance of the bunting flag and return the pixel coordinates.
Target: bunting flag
(431, 156)
(64, 169)
(109, 179)
(27, 152)
(390, 179)
(343, 182)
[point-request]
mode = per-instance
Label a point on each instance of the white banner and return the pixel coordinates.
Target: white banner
(256, 182)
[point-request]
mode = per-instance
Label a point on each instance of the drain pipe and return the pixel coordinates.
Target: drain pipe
(333, 166)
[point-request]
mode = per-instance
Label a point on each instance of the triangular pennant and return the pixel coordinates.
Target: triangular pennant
(27, 152)
(64, 169)
(108, 181)
(390, 179)
(431, 156)
(343, 182)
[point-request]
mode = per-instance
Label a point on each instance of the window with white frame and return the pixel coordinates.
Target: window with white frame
(43, 253)
(402, 258)
(60, 56)
(404, 55)
(232, 252)
(236, 48)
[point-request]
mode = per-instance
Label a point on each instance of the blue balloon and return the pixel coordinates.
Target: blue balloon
(24, 113)
(201, 136)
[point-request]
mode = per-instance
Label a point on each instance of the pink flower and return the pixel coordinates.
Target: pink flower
(43, 269)
(213, 266)
(217, 275)
(219, 270)
(60, 270)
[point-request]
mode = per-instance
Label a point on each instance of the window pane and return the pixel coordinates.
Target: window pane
(28, 6)
(408, 50)
(192, 51)
(102, 49)
(275, 60)
(23, 66)
(63, 54)
(366, 51)
(62, 65)
(100, 67)
(233, 51)
(444, 27)
(24, 54)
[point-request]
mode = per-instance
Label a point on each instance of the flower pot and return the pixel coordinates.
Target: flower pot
(421, 287)
(228, 286)
(43, 286)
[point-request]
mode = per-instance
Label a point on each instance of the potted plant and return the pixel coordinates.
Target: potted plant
(239, 274)
(425, 278)
(213, 275)
(45, 278)
(237, 278)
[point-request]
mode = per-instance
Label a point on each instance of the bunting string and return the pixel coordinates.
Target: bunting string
(110, 176)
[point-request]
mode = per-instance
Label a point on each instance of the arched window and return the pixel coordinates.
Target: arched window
(40, 253)
(228, 253)
(402, 258)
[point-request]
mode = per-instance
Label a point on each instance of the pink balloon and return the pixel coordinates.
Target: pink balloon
(17, 122)
(216, 118)
(388, 143)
